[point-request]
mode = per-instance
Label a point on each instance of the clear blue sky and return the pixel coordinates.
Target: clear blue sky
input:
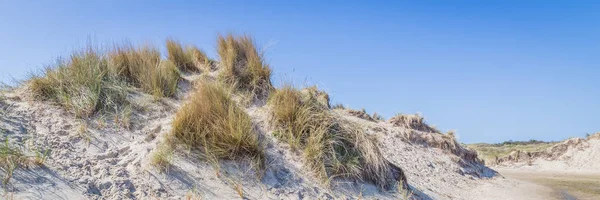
(493, 71)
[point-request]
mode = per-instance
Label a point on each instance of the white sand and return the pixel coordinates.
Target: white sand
(110, 162)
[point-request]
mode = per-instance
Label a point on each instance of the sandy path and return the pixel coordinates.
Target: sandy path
(564, 184)
(510, 188)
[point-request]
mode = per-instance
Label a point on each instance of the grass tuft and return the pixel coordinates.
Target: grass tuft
(243, 65)
(331, 147)
(13, 158)
(412, 121)
(81, 83)
(91, 81)
(162, 157)
(199, 58)
(181, 58)
(213, 123)
(143, 68)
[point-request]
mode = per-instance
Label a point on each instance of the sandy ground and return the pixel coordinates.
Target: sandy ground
(563, 184)
(106, 161)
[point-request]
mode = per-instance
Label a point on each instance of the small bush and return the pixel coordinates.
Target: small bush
(243, 65)
(331, 147)
(177, 55)
(13, 158)
(212, 122)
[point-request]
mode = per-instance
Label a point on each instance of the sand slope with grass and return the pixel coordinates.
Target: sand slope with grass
(574, 155)
(567, 169)
(128, 124)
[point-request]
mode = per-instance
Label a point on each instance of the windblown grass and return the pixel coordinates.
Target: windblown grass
(199, 58)
(143, 68)
(82, 84)
(13, 158)
(92, 81)
(213, 123)
(182, 59)
(412, 121)
(331, 147)
(243, 65)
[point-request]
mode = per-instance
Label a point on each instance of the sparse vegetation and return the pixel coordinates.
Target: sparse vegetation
(338, 106)
(213, 123)
(243, 65)
(193, 194)
(405, 192)
(12, 158)
(378, 117)
(331, 147)
(162, 157)
(412, 121)
(489, 152)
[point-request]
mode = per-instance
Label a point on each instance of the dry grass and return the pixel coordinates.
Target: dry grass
(331, 147)
(199, 58)
(412, 121)
(162, 157)
(13, 158)
(91, 81)
(143, 68)
(82, 84)
(243, 65)
(192, 195)
(378, 117)
(338, 106)
(182, 59)
(312, 94)
(213, 123)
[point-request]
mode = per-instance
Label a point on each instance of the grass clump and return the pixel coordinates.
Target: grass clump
(331, 147)
(162, 157)
(92, 81)
(81, 83)
(13, 158)
(143, 68)
(213, 123)
(179, 56)
(199, 58)
(412, 121)
(243, 65)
